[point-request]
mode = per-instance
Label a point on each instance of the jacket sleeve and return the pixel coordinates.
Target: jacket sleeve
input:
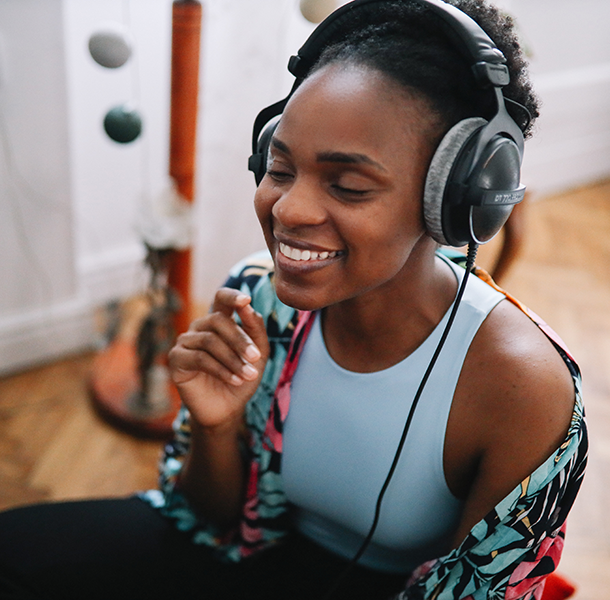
(253, 276)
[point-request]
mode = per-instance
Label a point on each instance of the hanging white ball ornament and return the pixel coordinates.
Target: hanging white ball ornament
(110, 46)
(316, 11)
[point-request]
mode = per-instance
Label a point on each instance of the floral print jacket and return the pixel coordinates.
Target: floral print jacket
(507, 555)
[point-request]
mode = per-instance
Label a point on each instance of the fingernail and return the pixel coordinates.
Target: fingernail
(252, 353)
(235, 380)
(249, 372)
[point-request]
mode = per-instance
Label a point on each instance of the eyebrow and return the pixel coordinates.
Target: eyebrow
(348, 158)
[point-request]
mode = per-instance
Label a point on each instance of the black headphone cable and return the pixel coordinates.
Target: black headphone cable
(470, 258)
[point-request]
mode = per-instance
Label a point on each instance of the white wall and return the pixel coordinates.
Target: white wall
(570, 68)
(110, 181)
(40, 314)
(68, 195)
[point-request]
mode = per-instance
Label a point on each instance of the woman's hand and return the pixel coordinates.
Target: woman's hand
(217, 365)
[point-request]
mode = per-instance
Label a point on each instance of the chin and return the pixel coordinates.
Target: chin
(298, 299)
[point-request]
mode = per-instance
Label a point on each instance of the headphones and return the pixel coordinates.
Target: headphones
(473, 180)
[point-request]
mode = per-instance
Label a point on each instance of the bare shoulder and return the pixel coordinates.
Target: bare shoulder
(523, 382)
(511, 411)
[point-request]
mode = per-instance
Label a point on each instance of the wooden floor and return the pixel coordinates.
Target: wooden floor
(54, 446)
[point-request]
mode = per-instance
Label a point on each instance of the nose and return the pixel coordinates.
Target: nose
(299, 205)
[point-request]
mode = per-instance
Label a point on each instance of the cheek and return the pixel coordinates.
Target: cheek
(384, 244)
(263, 204)
(388, 232)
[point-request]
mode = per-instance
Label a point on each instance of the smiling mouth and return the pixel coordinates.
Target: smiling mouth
(306, 255)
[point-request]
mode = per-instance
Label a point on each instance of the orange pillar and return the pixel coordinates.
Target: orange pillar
(116, 386)
(186, 37)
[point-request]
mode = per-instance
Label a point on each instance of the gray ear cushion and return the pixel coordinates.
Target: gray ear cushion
(439, 171)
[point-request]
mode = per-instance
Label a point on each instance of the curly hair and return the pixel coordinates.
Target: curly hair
(403, 40)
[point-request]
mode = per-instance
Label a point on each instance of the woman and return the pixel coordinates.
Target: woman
(297, 385)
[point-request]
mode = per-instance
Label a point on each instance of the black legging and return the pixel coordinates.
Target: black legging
(123, 548)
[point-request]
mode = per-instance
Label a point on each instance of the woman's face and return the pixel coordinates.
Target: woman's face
(341, 203)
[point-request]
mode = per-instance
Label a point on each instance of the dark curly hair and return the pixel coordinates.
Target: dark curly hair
(404, 41)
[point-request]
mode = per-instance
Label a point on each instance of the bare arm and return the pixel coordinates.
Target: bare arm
(217, 366)
(512, 410)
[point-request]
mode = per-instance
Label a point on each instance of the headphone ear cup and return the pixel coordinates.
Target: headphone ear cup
(441, 167)
(258, 162)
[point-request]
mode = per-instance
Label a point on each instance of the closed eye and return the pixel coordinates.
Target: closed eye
(279, 176)
(340, 188)
(350, 193)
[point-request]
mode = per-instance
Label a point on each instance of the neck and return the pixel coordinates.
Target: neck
(382, 327)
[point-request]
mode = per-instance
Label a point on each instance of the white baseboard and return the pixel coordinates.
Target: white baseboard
(47, 333)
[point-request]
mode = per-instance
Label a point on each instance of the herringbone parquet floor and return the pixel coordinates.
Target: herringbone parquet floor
(54, 446)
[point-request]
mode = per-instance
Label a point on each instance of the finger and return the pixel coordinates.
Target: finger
(228, 300)
(186, 364)
(233, 334)
(232, 353)
(254, 326)
(206, 352)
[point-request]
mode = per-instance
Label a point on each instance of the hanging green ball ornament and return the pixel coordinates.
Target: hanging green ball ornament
(123, 124)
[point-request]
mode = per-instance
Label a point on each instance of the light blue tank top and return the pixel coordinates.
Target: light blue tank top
(341, 434)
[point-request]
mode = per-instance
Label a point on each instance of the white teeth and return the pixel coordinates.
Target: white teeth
(305, 255)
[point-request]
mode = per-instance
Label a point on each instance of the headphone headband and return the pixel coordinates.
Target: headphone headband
(487, 62)
(476, 46)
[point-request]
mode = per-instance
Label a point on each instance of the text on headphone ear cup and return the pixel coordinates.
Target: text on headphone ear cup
(496, 175)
